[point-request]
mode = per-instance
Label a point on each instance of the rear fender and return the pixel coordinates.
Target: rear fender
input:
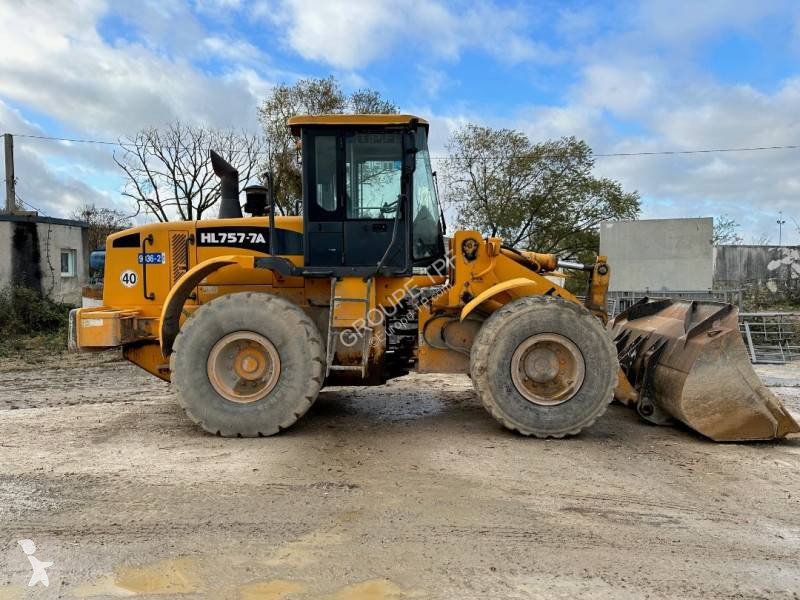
(173, 307)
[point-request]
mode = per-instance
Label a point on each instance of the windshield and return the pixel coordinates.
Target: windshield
(425, 227)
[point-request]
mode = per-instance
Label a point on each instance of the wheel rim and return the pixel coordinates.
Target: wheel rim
(547, 369)
(243, 367)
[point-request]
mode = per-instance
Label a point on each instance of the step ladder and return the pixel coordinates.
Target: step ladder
(341, 319)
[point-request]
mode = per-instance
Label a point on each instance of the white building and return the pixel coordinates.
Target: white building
(46, 254)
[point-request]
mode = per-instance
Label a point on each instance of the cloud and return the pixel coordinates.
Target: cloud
(39, 185)
(685, 23)
(640, 88)
(621, 89)
(60, 65)
(751, 186)
(432, 81)
(80, 77)
(237, 51)
(153, 23)
(629, 76)
(351, 35)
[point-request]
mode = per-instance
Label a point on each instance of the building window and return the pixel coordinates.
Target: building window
(68, 263)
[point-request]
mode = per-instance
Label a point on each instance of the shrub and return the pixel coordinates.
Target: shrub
(27, 315)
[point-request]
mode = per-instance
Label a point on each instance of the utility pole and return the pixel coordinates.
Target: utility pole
(11, 195)
(780, 223)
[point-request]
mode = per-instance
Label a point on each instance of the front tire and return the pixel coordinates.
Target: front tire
(544, 366)
(247, 364)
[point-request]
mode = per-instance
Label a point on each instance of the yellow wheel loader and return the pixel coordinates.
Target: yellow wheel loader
(250, 317)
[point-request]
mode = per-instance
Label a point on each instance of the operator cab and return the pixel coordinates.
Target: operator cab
(370, 204)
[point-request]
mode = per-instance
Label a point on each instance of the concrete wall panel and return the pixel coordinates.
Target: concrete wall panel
(765, 273)
(659, 254)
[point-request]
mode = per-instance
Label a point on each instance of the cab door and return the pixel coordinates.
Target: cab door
(373, 166)
(352, 181)
(324, 204)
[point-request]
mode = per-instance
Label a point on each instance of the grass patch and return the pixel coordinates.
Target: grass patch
(31, 324)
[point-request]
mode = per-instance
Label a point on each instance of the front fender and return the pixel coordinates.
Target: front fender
(497, 288)
(171, 312)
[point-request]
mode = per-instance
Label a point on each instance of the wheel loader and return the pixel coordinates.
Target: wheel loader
(249, 317)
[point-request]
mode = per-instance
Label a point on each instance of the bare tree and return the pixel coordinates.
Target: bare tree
(168, 170)
(726, 231)
(102, 222)
(761, 239)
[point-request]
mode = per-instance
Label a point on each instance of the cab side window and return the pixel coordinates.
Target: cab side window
(325, 172)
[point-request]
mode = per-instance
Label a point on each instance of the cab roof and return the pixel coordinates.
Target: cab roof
(296, 122)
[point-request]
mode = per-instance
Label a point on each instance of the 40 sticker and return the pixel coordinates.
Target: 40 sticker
(128, 278)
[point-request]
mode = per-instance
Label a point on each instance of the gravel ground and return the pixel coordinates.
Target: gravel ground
(406, 491)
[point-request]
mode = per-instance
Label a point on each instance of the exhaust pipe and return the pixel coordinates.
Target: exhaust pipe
(229, 207)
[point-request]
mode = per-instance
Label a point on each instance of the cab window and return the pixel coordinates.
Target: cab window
(425, 227)
(325, 171)
(373, 167)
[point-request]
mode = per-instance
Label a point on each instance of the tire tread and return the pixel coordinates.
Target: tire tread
(300, 322)
(482, 353)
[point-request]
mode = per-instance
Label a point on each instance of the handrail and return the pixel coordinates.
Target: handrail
(147, 295)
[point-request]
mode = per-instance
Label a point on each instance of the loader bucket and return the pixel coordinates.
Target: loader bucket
(687, 361)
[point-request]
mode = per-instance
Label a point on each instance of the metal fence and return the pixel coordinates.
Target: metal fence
(771, 337)
(619, 301)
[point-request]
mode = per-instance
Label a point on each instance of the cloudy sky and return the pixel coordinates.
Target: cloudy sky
(627, 76)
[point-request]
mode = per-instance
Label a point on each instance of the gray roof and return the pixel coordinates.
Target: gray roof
(40, 219)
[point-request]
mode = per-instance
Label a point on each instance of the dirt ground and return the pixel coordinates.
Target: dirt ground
(406, 491)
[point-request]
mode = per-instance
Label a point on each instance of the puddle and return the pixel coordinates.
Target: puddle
(277, 589)
(194, 575)
(349, 516)
(373, 589)
(171, 576)
(303, 551)
(12, 592)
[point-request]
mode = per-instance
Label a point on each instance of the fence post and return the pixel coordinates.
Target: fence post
(749, 342)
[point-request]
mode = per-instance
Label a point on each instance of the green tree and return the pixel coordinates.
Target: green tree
(305, 97)
(537, 196)
(370, 102)
(102, 223)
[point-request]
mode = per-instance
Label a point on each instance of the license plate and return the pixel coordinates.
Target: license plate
(152, 258)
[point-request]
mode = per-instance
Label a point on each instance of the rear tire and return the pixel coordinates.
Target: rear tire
(247, 364)
(571, 373)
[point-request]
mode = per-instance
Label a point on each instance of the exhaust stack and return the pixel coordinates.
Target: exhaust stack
(229, 207)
